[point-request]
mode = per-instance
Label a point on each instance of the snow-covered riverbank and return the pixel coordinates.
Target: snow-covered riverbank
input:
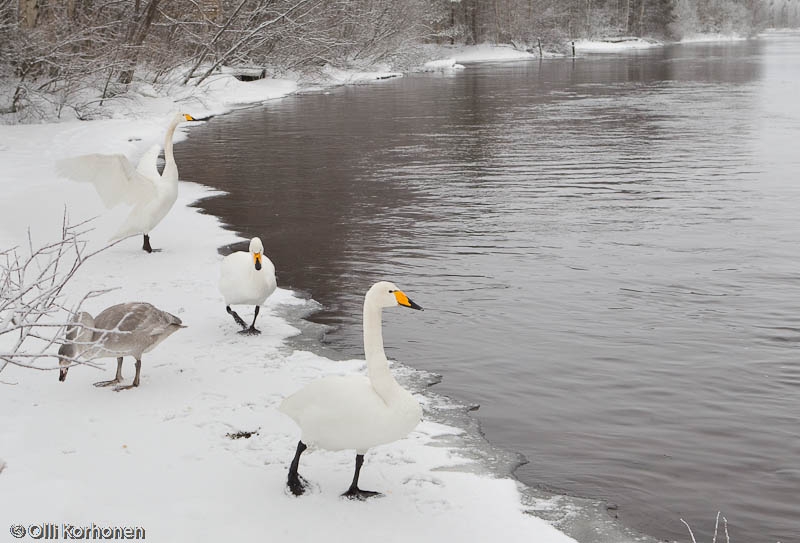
(160, 457)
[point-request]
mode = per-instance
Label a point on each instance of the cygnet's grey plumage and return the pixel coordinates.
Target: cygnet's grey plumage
(129, 329)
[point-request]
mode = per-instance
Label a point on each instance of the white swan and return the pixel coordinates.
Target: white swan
(116, 181)
(354, 411)
(129, 329)
(247, 278)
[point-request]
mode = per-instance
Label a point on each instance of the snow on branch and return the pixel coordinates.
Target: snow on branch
(33, 312)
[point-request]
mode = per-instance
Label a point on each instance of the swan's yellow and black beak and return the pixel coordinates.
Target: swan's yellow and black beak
(188, 117)
(62, 373)
(403, 300)
(257, 260)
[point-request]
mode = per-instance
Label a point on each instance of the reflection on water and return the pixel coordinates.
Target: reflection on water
(606, 249)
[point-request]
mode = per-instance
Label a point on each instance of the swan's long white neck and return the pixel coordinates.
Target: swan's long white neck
(377, 365)
(170, 168)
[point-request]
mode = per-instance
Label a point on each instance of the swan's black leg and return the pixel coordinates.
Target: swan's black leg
(236, 317)
(146, 245)
(116, 379)
(297, 485)
(252, 331)
(355, 493)
(135, 379)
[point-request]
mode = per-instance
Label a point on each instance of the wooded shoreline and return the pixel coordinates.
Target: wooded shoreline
(76, 54)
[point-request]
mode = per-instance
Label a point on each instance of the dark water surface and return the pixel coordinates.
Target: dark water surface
(608, 252)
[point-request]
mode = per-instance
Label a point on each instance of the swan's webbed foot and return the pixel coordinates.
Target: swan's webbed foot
(117, 377)
(146, 245)
(106, 383)
(126, 387)
(355, 493)
(250, 331)
(296, 484)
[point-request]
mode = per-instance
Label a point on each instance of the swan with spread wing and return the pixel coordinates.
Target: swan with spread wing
(151, 194)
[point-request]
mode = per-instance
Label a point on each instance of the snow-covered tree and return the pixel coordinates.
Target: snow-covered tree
(686, 20)
(78, 53)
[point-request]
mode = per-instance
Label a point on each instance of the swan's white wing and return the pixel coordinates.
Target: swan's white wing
(148, 164)
(113, 177)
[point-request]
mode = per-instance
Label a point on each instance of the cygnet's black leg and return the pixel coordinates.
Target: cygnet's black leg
(236, 317)
(355, 493)
(252, 331)
(116, 379)
(297, 485)
(135, 379)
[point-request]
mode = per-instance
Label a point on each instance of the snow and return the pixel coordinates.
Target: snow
(225, 91)
(608, 46)
(338, 76)
(159, 456)
(701, 38)
(442, 65)
(621, 45)
(483, 53)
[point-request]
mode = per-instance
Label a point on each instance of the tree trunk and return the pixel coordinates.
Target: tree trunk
(628, 17)
(136, 36)
(641, 19)
(452, 22)
(28, 13)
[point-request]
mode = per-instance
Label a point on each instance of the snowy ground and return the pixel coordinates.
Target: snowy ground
(481, 53)
(698, 38)
(620, 45)
(159, 457)
(607, 46)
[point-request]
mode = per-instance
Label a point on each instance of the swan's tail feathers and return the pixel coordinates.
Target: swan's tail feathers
(113, 177)
(127, 230)
(148, 164)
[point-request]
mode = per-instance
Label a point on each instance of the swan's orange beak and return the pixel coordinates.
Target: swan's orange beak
(257, 260)
(403, 300)
(188, 117)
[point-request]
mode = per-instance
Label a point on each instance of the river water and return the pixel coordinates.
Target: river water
(607, 249)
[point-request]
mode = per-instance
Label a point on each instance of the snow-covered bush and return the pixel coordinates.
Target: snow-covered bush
(33, 314)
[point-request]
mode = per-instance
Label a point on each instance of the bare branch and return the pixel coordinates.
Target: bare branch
(32, 305)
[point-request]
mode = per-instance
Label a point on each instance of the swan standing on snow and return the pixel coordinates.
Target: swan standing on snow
(116, 181)
(121, 330)
(354, 411)
(247, 278)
